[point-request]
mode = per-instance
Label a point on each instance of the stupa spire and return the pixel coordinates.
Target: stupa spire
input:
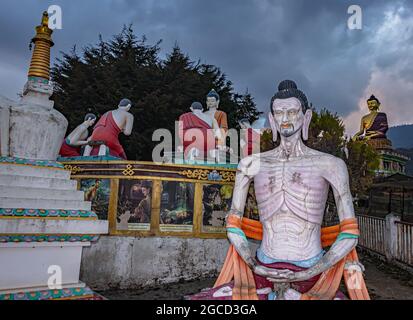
(40, 63)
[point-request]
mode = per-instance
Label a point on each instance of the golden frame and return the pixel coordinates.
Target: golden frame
(155, 231)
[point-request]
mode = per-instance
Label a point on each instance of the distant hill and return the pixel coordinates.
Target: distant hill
(401, 136)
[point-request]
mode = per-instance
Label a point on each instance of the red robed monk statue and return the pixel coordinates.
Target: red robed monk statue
(197, 132)
(107, 130)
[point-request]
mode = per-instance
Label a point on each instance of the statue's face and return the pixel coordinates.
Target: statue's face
(288, 116)
(212, 103)
(373, 105)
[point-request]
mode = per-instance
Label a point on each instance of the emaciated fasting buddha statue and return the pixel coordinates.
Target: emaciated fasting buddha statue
(291, 184)
(373, 125)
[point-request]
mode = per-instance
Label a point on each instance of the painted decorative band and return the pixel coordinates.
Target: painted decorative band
(47, 238)
(43, 213)
(69, 293)
(36, 163)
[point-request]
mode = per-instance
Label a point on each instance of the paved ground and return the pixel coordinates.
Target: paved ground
(384, 283)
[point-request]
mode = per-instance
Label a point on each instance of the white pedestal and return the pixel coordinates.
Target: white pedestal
(31, 265)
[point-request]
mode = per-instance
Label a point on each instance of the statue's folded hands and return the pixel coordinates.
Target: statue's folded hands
(273, 274)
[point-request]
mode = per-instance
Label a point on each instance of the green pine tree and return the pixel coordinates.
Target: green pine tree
(161, 90)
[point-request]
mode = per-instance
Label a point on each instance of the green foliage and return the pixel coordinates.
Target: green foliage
(161, 90)
(326, 133)
(246, 108)
(362, 161)
(266, 141)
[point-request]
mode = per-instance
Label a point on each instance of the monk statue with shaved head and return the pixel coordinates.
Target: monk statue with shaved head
(297, 259)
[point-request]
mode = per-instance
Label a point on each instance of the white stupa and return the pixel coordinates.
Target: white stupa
(44, 220)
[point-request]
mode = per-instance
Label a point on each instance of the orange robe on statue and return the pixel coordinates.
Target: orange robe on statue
(222, 120)
(108, 131)
(243, 281)
(202, 137)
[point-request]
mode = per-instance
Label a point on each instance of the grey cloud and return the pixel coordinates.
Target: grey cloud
(257, 43)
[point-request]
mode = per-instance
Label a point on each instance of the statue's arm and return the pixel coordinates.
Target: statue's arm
(129, 124)
(235, 235)
(361, 131)
(337, 176)
(225, 122)
(75, 138)
(217, 130)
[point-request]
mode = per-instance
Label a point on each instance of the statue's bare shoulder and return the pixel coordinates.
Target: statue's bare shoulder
(332, 168)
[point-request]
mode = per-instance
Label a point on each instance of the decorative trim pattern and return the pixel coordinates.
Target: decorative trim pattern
(73, 169)
(128, 171)
(48, 238)
(43, 213)
(205, 174)
(195, 174)
(38, 80)
(228, 176)
(59, 294)
(35, 163)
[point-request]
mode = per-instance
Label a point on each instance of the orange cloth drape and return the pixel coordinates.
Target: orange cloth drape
(325, 288)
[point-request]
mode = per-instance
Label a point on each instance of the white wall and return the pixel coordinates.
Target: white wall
(131, 263)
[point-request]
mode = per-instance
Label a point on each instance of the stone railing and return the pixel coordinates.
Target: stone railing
(388, 237)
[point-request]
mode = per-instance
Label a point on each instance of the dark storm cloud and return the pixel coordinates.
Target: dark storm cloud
(257, 43)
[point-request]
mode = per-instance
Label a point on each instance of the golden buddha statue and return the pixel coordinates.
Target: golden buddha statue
(373, 125)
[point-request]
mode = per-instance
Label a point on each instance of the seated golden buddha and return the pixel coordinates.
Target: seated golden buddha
(373, 125)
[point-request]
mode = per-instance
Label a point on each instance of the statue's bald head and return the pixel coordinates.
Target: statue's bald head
(125, 104)
(90, 116)
(196, 106)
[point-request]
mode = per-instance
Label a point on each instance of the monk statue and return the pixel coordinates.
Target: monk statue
(105, 136)
(373, 125)
(212, 102)
(78, 138)
(249, 138)
(291, 184)
(198, 132)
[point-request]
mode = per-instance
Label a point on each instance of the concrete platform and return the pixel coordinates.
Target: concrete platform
(55, 226)
(31, 171)
(41, 193)
(36, 182)
(47, 204)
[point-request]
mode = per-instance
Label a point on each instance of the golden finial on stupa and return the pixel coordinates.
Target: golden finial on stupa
(40, 63)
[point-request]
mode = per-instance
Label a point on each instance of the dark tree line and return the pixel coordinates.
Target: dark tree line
(160, 89)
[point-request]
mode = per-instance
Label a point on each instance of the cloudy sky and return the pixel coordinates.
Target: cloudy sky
(257, 43)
